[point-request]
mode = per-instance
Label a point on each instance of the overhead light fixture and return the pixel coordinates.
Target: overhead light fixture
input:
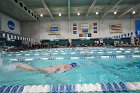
(134, 12)
(97, 13)
(29, 11)
(78, 13)
(16, 1)
(25, 7)
(59, 14)
(41, 15)
(115, 12)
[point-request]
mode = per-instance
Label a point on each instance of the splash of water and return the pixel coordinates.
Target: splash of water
(10, 67)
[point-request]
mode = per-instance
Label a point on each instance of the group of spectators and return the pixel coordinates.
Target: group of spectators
(34, 45)
(97, 43)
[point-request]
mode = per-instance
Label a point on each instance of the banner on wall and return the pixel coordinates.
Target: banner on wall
(11, 25)
(89, 34)
(85, 28)
(74, 28)
(137, 26)
(94, 27)
(54, 29)
(74, 24)
(94, 24)
(80, 35)
(74, 32)
(115, 28)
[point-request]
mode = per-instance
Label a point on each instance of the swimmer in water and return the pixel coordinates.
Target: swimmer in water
(49, 69)
(49, 55)
(85, 52)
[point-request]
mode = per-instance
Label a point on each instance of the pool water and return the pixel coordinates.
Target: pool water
(91, 70)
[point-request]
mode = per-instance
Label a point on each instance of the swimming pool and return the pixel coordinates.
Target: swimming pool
(103, 66)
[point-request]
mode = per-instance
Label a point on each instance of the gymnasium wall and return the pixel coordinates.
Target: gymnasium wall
(0, 21)
(40, 30)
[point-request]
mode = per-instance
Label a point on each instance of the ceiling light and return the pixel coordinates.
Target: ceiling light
(59, 14)
(78, 13)
(41, 15)
(115, 12)
(133, 12)
(97, 13)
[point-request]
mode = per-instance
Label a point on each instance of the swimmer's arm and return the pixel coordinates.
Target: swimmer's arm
(26, 67)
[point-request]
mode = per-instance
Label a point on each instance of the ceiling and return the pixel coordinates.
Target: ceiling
(30, 10)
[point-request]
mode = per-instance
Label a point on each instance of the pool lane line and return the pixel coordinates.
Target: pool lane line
(75, 57)
(70, 88)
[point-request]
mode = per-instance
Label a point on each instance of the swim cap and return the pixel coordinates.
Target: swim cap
(73, 64)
